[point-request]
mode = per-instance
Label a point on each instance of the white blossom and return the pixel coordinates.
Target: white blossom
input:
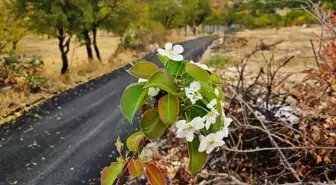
(195, 86)
(211, 117)
(173, 53)
(187, 130)
(192, 92)
(227, 122)
(225, 130)
(212, 104)
(203, 66)
(142, 80)
(210, 142)
(152, 91)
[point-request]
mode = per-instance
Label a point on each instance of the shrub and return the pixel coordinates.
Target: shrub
(20, 71)
(36, 82)
(262, 21)
(248, 21)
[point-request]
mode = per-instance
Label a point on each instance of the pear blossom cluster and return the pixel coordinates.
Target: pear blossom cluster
(208, 142)
(188, 130)
(198, 126)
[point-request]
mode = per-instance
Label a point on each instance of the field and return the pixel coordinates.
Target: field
(291, 41)
(14, 102)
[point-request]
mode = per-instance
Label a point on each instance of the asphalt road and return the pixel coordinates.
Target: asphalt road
(70, 138)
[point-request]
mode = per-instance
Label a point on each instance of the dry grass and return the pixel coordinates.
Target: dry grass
(13, 102)
(295, 42)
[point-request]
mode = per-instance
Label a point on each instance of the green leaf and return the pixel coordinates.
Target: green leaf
(199, 74)
(151, 125)
(164, 81)
(135, 168)
(216, 126)
(221, 95)
(208, 95)
(196, 110)
(163, 59)
(215, 79)
(132, 99)
(169, 109)
(134, 140)
(154, 175)
(111, 173)
(143, 70)
(196, 159)
(187, 79)
(176, 68)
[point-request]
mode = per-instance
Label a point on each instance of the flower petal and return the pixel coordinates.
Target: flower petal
(181, 134)
(181, 123)
(168, 46)
(195, 85)
(220, 143)
(162, 52)
(152, 91)
(142, 80)
(219, 135)
(209, 149)
(225, 131)
(202, 147)
(201, 137)
(176, 57)
(198, 123)
(178, 49)
(212, 104)
(203, 66)
(207, 124)
(227, 121)
(190, 136)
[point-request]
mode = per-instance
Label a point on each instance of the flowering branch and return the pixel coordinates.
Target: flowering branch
(182, 95)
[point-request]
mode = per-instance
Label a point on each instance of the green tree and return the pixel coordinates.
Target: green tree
(12, 29)
(196, 11)
(166, 12)
(54, 18)
(111, 15)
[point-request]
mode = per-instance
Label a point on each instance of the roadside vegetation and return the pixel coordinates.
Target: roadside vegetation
(258, 109)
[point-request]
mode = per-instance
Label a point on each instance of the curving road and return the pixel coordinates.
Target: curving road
(70, 138)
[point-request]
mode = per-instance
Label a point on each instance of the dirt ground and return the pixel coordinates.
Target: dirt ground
(294, 41)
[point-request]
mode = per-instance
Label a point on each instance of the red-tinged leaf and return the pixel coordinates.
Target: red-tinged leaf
(134, 140)
(111, 173)
(169, 109)
(135, 168)
(151, 125)
(154, 175)
(143, 70)
(196, 159)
